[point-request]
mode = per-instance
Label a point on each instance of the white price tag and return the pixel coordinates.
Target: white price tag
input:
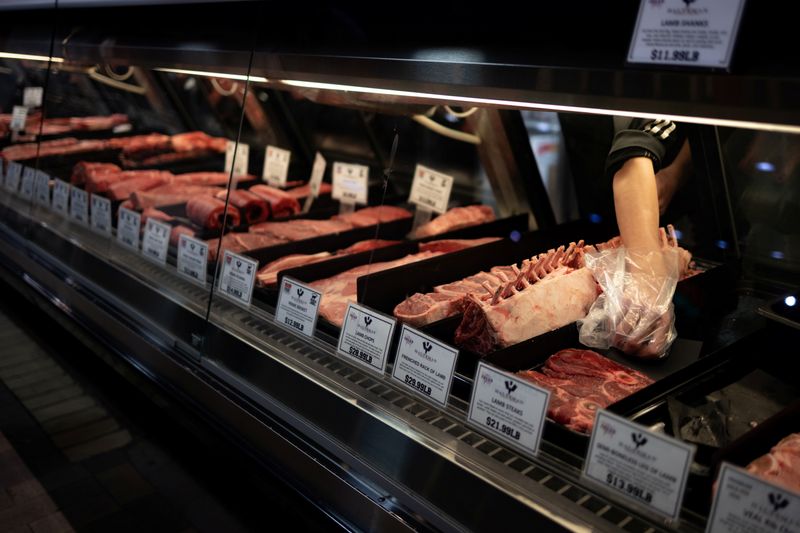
(317, 173)
(675, 32)
(424, 365)
(240, 163)
(276, 166)
(129, 224)
(41, 188)
(28, 179)
(60, 202)
(747, 504)
(298, 306)
(508, 407)
(155, 242)
(101, 214)
(13, 175)
(79, 205)
(19, 117)
(430, 189)
(192, 258)
(366, 337)
(237, 277)
(646, 468)
(32, 96)
(350, 183)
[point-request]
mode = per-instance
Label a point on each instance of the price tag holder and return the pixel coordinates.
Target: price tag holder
(747, 504)
(424, 365)
(276, 166)
(647, 469)
(317, 173)
(129, 224)
(237, 277)
(60, 203)
(350, 183)
(101, 215)
(192, 259)
(13, 176)
(19, 118)
(508, 407)
(684, 33)
(298, 306)
(41, 188)
(28, 179)
(430, 190)
(32, 96)
(366, 337)
(155, 242)
(241, 162)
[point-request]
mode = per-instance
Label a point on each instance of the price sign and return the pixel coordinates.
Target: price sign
(424, 365)
(32, 96)
(508, 407)
(276, 166)
(41, 188)
(79, 205)
(19, 117)
(298, 306)
(237, 277)
(13, 175)
(646, 468)
(155, 242)
(60, 202)
(350, 183)
(128, 227)
(101, 214)
(366, 336)
(430, 189)
(317, 173)
(238, 161)
(747, 504)
(676, 32)
(28, 179)
(192, 258)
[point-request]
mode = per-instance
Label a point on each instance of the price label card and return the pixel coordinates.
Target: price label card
(366, 337)
(19, 117)
(32, 96)
(317, 173)
(646, 468)
(508, 407)
(41, 188)
(298, 306)
(430, 189)
(424, 365)
(60, 203)
(155, 242)
(276, 166)
(13, 176)
(238, 161)
(350, 183)
(128, 227)
(101, 214)
(28, 179)
(676, 32)
(79, 205)
(237, 277)
(747, 504)
(192, 258)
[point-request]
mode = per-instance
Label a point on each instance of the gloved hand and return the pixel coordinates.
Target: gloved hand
(651, 138)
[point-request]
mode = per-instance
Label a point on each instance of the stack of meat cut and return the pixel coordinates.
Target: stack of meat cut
(456, 218)
(57, 126)
(581, 382)
(781, 465)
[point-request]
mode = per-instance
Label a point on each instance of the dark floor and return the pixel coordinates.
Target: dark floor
(108, 457)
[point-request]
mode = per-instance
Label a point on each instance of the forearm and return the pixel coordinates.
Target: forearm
(636, 205)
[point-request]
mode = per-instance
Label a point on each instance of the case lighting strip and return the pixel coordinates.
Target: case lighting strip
(240, 77)
(11, 55)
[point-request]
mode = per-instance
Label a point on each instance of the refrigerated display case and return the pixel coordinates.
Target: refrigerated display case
(142, 249)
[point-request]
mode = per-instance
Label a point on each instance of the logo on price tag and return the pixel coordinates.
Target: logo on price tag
(298, 306)
(276, 166)
(430, 189)
(350, 183)
(424, 365)
(237, 277)
(192, 259)
(366, 337)
(128, 227)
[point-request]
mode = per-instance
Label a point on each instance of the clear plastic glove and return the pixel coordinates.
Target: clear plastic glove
(635, 312)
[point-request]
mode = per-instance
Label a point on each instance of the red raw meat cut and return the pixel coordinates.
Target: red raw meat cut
(281, 203)
(453, 245)
(210, 213)
(370, 216)
(582, 381)
(295, 230)
(242, 242)
(209, 178)
(305, 190)
(170, 194)
(157, 214)
(456, 218)
(268, 275)
(253, 207)
(82, 170)
(781, 465)
(365, 246)
(142, 180)
(177, 231)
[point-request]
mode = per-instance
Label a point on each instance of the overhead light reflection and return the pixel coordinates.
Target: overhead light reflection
(224, 75)
(32, 57)
(790, 301)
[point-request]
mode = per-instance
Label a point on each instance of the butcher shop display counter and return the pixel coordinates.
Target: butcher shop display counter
(373, 268)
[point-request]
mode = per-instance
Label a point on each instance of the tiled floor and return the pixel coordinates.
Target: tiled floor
(87, 450)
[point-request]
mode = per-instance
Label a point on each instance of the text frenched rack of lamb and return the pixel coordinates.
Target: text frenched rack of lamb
(510, 304)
